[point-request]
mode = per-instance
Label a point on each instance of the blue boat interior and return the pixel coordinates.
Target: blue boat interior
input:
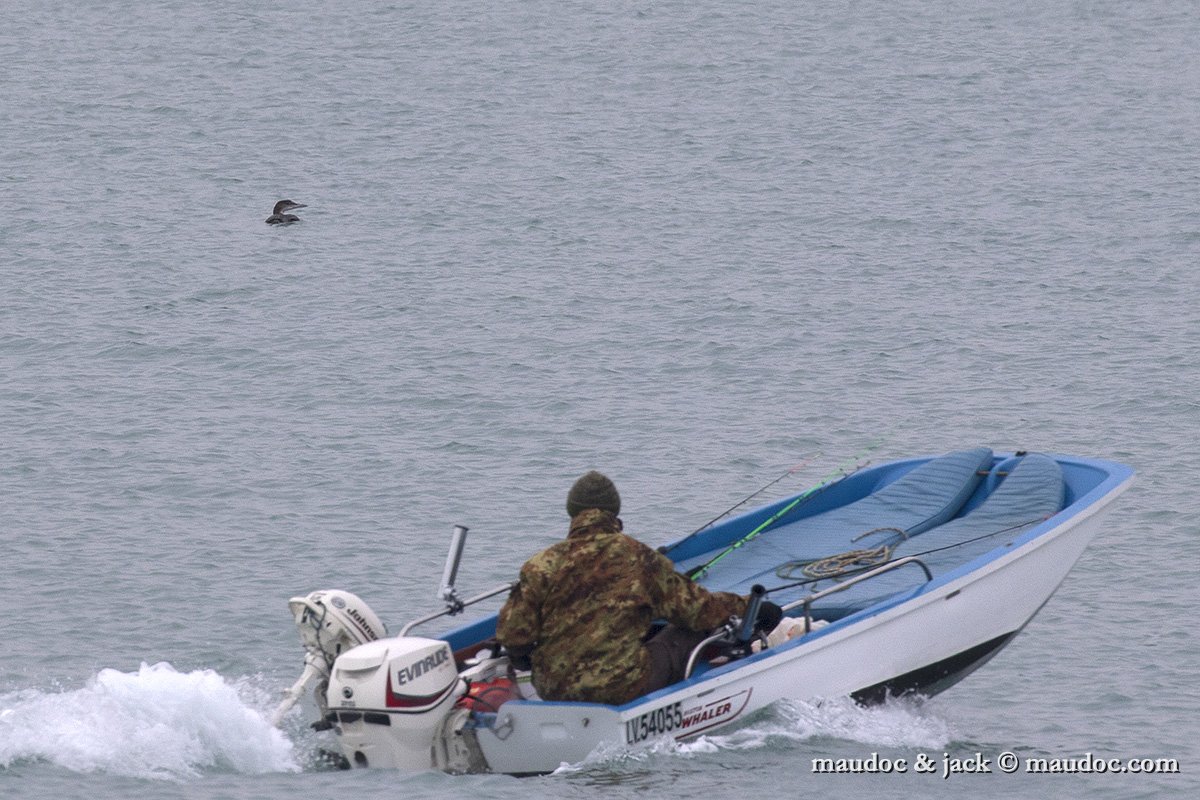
(946, 511)
(953, 512)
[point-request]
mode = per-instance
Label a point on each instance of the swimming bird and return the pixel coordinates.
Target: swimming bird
(278, 217)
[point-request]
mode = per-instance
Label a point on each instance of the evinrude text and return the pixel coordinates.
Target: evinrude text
(419, 668)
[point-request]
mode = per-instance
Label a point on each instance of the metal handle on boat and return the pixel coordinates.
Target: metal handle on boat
(746, 629)
(450, 573)
(448, 592)
(728, 630)
(454, 609)
(721, 635)
(844, 585)
(742, 630)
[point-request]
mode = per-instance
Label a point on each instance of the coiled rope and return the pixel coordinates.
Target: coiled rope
(796, 571)
(840, 563)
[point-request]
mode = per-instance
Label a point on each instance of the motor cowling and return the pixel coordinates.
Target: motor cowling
(388, 699)
(332, 621)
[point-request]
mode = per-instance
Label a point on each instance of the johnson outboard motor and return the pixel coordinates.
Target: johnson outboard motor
(330, 622)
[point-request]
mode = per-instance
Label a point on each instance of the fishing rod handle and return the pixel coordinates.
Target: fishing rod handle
(746, 630)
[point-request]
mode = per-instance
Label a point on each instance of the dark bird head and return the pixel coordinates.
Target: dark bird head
(279, 215)
(284, 206)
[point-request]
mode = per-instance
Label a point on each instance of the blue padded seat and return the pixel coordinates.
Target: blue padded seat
(1033, 490)
(923, 498)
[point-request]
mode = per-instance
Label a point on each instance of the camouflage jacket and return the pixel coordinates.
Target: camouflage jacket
(584, 605)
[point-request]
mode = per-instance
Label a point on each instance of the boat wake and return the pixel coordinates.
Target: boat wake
(794, 725)
(155, 723)
(158, 723)
(897, 723)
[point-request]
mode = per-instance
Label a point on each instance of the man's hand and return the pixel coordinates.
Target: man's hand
(519, 657)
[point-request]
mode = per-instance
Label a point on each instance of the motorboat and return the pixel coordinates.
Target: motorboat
(897, 578)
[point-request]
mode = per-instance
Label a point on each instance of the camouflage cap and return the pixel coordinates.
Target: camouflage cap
(593, 490)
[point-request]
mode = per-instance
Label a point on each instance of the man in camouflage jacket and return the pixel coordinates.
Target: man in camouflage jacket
(583, 606)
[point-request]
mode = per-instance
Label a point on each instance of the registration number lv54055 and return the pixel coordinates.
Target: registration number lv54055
(654, 723)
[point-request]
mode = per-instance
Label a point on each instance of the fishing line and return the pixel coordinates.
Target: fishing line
(791, 471)
(839, 472)
(748, 498)
(786, 570)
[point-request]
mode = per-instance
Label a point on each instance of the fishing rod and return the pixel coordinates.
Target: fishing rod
(790, 471)
(839, 472)
(748, 498)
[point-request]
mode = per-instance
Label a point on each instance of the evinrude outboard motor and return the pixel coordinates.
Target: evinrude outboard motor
(330, 622)
(394, 702)
(390, 699)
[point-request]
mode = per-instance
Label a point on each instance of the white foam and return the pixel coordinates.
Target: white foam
(791, 723)
(896, 723)
(153, 723)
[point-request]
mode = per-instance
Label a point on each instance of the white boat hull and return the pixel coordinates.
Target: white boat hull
(406, 702)
(972, 618)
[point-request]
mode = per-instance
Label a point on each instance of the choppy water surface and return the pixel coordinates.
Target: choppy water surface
(685, 243)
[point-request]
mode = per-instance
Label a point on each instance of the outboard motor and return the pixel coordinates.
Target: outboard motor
(394, 702)
(390, 698)
(330, 622)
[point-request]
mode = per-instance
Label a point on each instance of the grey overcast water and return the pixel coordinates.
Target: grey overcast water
(686, 243)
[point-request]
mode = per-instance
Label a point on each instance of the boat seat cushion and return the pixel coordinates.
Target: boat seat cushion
(923, 498)
(1032, 490)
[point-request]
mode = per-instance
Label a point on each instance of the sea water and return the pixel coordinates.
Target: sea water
(689, 244)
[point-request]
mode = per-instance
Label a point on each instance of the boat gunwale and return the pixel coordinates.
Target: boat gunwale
(1115, 479)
